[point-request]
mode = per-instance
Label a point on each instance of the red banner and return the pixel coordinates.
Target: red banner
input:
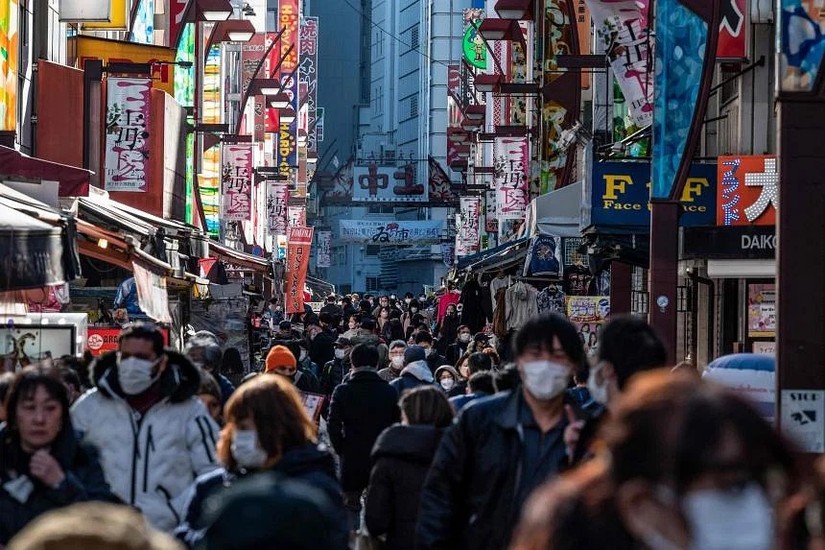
(100, 340)
(299, 241)
(733, 31)
(177, 9)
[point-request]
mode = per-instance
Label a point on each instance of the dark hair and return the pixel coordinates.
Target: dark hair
(364, 305)
(427, 405)
(414, 303)
(6, 380)
(285, 325)
(71, 378)
(540, 331)
(231, 362)
(423, 336)
(479, 361)
(631, 346)
(507, 378)
(79, 365)
(25, 385)
(482, 382)
(367, 323)
(364, 355)
(209, 385)
(144, 331)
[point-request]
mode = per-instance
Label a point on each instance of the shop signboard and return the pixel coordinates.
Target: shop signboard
(107, 15)
(472, 44)
(128, 131)
(391, 232)
(730, 243)
(109, 51)
(286, 149)
(761, 310)
(309, 76)
(103, 339)
(236, 182)
(324, 255)
(468, 220)
(299, 241)
(748, 191)
(620, 195)
(733, 31)
(276, 204)
(588, 314)
(376, 183)
(296, 216)
(9, 52)
(511, 159)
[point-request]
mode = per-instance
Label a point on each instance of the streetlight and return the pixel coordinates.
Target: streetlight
(287, 116)
(279, 100)
(213, 10)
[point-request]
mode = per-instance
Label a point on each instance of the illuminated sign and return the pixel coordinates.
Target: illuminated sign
(748, 192)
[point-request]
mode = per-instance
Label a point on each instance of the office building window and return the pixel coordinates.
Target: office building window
(414, 38)
(372, 284)
(414, 106)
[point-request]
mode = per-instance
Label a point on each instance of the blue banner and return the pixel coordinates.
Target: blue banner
(620, 195)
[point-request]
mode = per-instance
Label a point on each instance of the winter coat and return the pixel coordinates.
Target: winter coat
(388, 374)
(84, 480)
(472, 312)
(312, 464)
(448, 327)
(522, 305)
(360, 409)
(225, 385)
(149, 460)
(415, 374)
(454, 352)
(435, 360)
(458, 388)
(401, 457)
(322, 348)
(470, 498)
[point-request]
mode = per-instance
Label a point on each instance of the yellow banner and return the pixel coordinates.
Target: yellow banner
(118, 18)
(9, 51)
(118, 51)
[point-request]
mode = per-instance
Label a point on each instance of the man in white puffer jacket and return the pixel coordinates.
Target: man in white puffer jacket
(153, 433)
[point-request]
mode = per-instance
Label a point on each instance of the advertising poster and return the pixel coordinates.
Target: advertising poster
(252, 54)
(511, 161)
(9, 53)
(286, 151)
(25, 345)
(309, 76)
(391, 233)
(276, 203)
(544, 258)
(762, 310)
(748, 190)
(128, 128)
(588, 313)
(299, 242)
(803, 419)
(377, 183)
(324, 255)
(236, 182)
(468, 226)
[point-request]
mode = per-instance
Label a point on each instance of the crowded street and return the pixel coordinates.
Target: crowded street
(412, 275)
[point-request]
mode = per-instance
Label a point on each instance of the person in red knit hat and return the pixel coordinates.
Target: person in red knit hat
(280, 360)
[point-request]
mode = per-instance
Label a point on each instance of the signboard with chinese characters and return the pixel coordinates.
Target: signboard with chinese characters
(391, 233)
(748, 192)
(733, 31)
(376, 183)
(236, 182)
(324, 256)
(511, 160)
(762, 310)
(128, 128)
(286, 150)
(588, 314)
(299, 241)
(309, 76)
(276, 205)
(296, 216)
(468, 225)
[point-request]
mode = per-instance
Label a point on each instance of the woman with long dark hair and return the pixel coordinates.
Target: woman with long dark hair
(43, 464)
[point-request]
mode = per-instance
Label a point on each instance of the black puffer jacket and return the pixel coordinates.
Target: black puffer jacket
(84, 480)
(402, 456)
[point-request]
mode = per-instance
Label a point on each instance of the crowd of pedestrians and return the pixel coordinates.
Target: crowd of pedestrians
(422, 439)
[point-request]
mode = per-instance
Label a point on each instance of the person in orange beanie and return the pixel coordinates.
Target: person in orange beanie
(281, 360)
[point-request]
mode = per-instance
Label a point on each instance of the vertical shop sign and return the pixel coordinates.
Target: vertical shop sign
(748, 190)
(252, 54)
(733, 31)
(9, 52)
(128, 128)
(468, 225)
(236, 182)
(324, 257)
(511, 160)
(286, 150)
(475, 51)
(309, 75)
(801, 44)
(276, 204)
(490, 211)
(299, 242)
(296, 216)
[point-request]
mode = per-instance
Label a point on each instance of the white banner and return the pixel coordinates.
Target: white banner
(152, 296)
(468, 225)
(406, 182)
(324, 257)
(128, 127)
(512, 161)
(391, 233)
(236, 182)
(276, 206)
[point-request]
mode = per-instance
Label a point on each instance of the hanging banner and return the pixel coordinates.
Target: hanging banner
(177, 10)
(9, 53)
(297, 216)
(543, 257)
(468, 227)
(490, 211)
(324, 256)
(236, 182)
(276, 205)
(252, 54)
(299, 241)
(800, 31)
(448, 254)
(286, 150)
(733, 31)
(472, 44)
(511, 162)
(309, 76)
(748, 191)
(439, 183)
(391, 233)
(152, 296)
(375, 183)
(128, 128)
(622, 29)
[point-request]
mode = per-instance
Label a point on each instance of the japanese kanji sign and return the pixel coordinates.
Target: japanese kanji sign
(511, 160)
(308, 75)
(299, 242)
(324, 256)
(748, 190)
(276, 206)
(468, 224)
(128, 127)
(236, 182)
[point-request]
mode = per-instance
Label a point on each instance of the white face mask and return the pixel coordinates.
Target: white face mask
(447, 383)
(465, 338)
(598, 392)
(732, 519)
(397, 362)
(135, 374)
(407, 300)
(340, 353)
(545, 379)
(245, 449)
(428, 352)
(414, 309)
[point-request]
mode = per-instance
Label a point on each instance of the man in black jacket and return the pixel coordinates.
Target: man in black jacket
(361, 408)
(433, 358)
(502, 447)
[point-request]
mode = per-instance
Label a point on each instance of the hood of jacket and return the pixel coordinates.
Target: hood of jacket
(179, 381)
(305, 460)
(447, 368)
(419, 370)
(416, 443)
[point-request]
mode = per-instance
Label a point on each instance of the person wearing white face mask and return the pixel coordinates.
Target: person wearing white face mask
(266, 429)
(396, 357)
(684, 465)
(153, 433)
(502, 447)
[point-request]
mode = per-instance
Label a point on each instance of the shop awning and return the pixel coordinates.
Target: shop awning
(231, 256)
(31, 252)
(500, 257)
(74, 181)
(556, 213)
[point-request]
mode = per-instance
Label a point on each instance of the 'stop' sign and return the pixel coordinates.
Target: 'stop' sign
(748, 192)
(621, 195)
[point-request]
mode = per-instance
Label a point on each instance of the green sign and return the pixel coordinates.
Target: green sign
(475, 50)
